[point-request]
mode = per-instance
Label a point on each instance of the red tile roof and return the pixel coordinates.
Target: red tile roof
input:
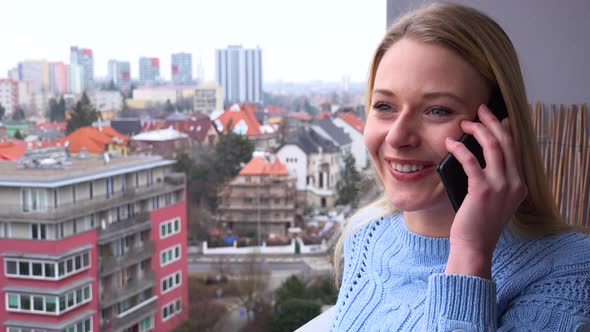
(195, 128)
(12, 150)
(300, 116)
(352, 120)
(92, 139)
(260, 166)
(242, 113)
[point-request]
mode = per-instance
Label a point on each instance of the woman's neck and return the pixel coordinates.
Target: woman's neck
(433, 222)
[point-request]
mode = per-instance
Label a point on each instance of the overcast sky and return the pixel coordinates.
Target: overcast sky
(301, 40)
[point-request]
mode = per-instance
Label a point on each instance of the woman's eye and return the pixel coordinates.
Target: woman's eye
(439, 111)
(382, 107)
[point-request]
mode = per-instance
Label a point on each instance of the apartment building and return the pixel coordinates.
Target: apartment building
(92, 243)
(261, 197)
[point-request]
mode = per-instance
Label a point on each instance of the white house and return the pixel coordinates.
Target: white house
(313, 160)
(354, 127)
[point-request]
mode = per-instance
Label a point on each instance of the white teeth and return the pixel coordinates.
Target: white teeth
(406, 168)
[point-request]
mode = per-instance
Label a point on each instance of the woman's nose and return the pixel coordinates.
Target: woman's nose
(403, 131)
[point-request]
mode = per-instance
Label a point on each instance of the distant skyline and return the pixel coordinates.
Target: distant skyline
(301, 41)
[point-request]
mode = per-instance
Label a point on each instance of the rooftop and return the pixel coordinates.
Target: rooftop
(81, 169)
(353, 121)
(336, 133)
(260, 166)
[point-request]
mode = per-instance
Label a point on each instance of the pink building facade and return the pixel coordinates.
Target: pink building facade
(99, 246)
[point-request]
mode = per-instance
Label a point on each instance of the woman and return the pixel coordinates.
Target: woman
(505, 260)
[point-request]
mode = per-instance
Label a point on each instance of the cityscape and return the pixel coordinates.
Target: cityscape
(150, 181)
(137, 203)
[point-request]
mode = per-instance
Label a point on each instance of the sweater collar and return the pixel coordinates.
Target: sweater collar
(419, 244)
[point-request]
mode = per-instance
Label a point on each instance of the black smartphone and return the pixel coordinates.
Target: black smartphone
(450, 170)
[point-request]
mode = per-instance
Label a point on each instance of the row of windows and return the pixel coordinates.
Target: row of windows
(35, 199)
(84, 325)
(81, 326)
(169, 255)
(171, 281)
(170, 227)
(171, 309)
(49, 305)
(47, 270)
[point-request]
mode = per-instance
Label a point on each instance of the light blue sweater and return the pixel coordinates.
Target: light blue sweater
(394, 281)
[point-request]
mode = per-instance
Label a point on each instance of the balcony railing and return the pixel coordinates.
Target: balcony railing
(132, 316)
(137, 254)
(254, 206)
(138, 223)
(66, 211)
(113, 294)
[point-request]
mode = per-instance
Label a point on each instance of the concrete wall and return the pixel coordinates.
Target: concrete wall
(551, 39)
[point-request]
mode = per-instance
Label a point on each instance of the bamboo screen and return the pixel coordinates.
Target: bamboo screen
(563, 135)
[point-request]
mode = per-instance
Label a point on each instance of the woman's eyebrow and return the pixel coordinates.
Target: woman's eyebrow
(434, 95)
(385, 92)
(427, 95)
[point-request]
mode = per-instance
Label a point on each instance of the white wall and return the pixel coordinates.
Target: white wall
(358, 149)
(296, 168)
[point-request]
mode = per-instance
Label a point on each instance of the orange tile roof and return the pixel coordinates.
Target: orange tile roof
(235, 115)
(260, 166)
(300, 116)
(92, 139)
(12, 150)
(352, 120)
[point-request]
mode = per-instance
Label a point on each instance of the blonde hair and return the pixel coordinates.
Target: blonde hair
(481, 42)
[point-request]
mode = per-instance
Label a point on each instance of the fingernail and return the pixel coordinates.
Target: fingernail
(450, 140)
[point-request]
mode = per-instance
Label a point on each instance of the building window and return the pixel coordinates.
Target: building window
(150, 177)
(48, 305)
(38, 231)
(34, 199)
(84, 325)
(146, 324)
(169, 228)
(110, 186)
(170, 282)
(34, 269)
(171, 309)
(169, 255)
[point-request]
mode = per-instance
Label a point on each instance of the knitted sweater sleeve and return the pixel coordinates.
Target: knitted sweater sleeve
(558, 301)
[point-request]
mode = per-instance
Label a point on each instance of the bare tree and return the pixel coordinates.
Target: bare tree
(251, 284)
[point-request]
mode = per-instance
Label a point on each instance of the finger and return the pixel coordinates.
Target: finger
(492, 151)
(466, 158)
(489, 119)
(513, 160)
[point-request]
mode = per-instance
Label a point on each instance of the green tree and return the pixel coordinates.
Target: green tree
(291, 288)
(231, 153)
(2, 111)
(294, 313)
(168, 107)
(348, 185)
(83, 115)
(18, 135)
(19, 114)
(54, 111)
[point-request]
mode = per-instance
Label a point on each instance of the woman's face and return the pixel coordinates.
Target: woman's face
(421, 94)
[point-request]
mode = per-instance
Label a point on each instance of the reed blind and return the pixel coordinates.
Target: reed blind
(563, 134)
